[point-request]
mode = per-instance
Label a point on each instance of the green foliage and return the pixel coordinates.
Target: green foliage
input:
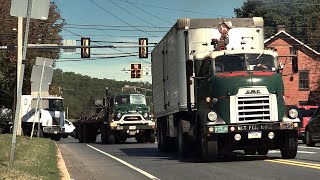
(43, 32)
(301, 18)
(76, 89)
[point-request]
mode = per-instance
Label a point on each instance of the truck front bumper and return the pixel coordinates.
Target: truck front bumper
(53, 130)
(239, 128)
(132, 125)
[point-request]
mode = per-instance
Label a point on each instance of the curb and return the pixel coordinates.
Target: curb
(64, 174)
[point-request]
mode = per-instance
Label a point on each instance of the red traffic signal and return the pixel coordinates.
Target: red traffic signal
(135, 70)
(85, 51)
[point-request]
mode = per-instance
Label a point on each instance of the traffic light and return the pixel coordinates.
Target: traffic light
(136, 70)
(143, 47)
(85, 51)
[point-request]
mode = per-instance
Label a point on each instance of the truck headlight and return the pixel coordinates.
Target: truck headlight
(212, 116)
(119, 115)
(293, 113)
(145, 115)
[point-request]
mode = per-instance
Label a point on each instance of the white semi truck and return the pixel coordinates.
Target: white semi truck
(50, 116)
(212, 93)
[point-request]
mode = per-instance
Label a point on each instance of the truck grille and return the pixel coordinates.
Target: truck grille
(253, 108)
(132, 118)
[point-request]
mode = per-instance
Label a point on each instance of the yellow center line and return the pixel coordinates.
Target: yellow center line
(295, 163)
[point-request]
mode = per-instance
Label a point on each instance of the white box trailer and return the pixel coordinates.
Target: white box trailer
(169, 56)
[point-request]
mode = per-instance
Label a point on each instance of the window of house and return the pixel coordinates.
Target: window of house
(293, 52)
(304, 80)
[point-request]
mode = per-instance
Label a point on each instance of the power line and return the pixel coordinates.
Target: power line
(119, 26)
(148, 12)
(110, 29)
(102, 35)
(282, 2)
(172, 9)
(97, 28)
(118, 17)
(132, 14)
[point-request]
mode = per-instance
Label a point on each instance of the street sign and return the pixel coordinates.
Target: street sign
(40, 61)
(69, 43)
(39, 10)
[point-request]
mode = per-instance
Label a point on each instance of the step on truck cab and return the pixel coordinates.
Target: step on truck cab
(216, 90)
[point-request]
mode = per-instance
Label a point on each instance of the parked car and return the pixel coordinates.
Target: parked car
(306, 111)
(313, 129)
(68, 128)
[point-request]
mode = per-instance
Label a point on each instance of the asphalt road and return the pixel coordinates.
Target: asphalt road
(144, 161)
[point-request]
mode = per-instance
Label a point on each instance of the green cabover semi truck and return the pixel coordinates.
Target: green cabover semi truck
(116, 117)
(216, 90)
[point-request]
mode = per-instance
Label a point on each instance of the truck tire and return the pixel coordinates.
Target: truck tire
(152, 137)
(183, 144)
(141, 138)
(290, 145)
(263, 151)
(104, 136)
(111, 139)
(0, 130)
(250, 151)
(80, 134)
(163, 140)
(209, 148)
(57, 138)
(86, 133)
(308, 139)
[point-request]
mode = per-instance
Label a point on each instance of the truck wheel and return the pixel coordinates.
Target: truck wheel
(290, 145)
(86, 133)
(308, 139)
(182, 140)
(0, 130)
(57, 138)
(250, 151)
(80, 134)
(263, 151)
(104, 136)
(152, 137)
(141, 138)
(209, 148)
(163, 140)
(111, 139)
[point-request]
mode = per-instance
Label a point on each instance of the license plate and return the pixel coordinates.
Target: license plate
(55, 132)
(132, 132)
(254, 135)
(221, 129)
(132, 127)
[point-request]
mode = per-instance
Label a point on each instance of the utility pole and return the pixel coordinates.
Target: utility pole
(19, 62)
(20, 80)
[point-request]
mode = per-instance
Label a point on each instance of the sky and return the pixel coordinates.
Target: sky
(112, 21)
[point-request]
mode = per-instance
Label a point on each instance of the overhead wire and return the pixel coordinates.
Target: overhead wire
(118, 17)
(133, 14)
(97, 28)
(148, 12)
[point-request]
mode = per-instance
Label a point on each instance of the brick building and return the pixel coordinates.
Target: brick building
(302, 87)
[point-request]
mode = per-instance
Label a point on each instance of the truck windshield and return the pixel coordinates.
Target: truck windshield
(55, 105)
(244, 62)
(130, 99)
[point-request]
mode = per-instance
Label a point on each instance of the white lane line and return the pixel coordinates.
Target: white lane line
(125, 163)
(308, 147)
(302, 152)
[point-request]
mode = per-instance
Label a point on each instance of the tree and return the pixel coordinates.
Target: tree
(76, 89)
(300, 18)
(43, 32)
